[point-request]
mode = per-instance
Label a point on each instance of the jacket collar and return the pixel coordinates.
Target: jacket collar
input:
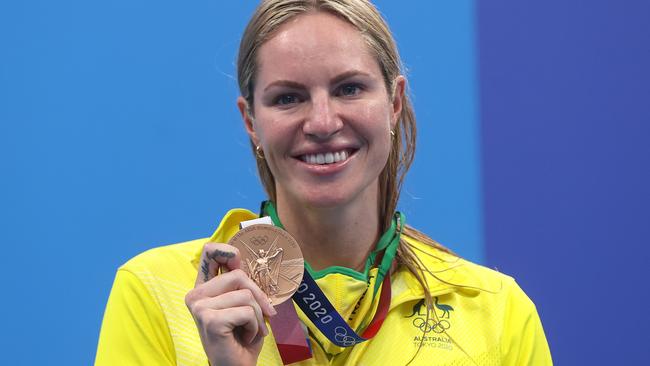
(445, 273)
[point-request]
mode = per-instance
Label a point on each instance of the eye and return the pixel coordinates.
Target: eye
(350, 90)
(286, 99)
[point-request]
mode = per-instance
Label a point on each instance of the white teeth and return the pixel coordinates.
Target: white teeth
(325, 158)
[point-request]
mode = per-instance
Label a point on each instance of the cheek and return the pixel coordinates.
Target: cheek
(380, 118)
(376, 124)
(271, 131)
(276, 137)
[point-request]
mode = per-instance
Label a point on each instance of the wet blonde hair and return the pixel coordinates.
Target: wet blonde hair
(363, 15)
(271, 14)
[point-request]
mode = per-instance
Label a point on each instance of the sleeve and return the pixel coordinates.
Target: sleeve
(134, 330)
(523, 341)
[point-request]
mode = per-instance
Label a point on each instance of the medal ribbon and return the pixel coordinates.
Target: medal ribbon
(313, 302)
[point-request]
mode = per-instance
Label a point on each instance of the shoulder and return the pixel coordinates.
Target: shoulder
(167, 257)
(441, 266)
(495, 293)
(166, 271)
(146, 314)
(180, 260)
(475, 315)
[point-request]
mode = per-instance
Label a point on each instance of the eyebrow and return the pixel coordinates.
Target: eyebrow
(338, 78)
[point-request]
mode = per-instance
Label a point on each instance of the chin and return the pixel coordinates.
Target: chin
(329, 204)
(327, 197)
(325, 201)
(340, 193)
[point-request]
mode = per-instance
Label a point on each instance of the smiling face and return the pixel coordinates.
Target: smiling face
(322, 113)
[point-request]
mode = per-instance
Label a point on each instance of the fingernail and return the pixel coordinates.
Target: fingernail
(272, 310)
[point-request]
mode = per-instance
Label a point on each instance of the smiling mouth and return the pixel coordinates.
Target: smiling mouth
(326, 158)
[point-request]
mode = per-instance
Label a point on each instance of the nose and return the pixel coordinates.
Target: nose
(322, 121)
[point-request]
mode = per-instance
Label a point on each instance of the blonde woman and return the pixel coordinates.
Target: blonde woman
(333, 132)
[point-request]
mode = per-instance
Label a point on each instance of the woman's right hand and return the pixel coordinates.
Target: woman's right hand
(228, 309)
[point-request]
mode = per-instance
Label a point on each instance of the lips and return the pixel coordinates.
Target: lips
(325, 158)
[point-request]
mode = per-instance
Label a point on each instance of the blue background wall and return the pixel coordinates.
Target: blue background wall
(119, 132)
(565, 116)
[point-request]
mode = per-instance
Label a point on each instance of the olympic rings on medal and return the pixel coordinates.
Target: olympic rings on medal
(259, 240)
(342, 337)
(431, 325)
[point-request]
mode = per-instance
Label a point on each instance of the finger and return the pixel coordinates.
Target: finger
(224, 254)
(213, 256)
(233, 281)
(244, 317)
(233, 299)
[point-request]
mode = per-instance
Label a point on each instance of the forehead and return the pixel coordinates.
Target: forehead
(314, 42)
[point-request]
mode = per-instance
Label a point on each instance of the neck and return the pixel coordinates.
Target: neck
(339, 236)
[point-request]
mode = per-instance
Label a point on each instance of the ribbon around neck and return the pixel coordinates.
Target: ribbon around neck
(313, 302)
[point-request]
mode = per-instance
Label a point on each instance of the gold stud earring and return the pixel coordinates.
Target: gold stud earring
(259, 153)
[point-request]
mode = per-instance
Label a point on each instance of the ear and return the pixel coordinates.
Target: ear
(248, 119)
(399, 87)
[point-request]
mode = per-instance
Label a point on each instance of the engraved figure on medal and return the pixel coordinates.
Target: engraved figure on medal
(264, 267)
(277, 268)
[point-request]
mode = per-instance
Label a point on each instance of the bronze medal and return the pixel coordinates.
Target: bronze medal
(271, 258)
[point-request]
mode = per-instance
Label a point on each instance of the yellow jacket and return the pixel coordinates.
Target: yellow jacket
(481, 316)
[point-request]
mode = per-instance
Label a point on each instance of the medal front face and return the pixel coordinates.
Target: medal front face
(271, 258)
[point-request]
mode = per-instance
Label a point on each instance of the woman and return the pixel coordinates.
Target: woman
(333, 132)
